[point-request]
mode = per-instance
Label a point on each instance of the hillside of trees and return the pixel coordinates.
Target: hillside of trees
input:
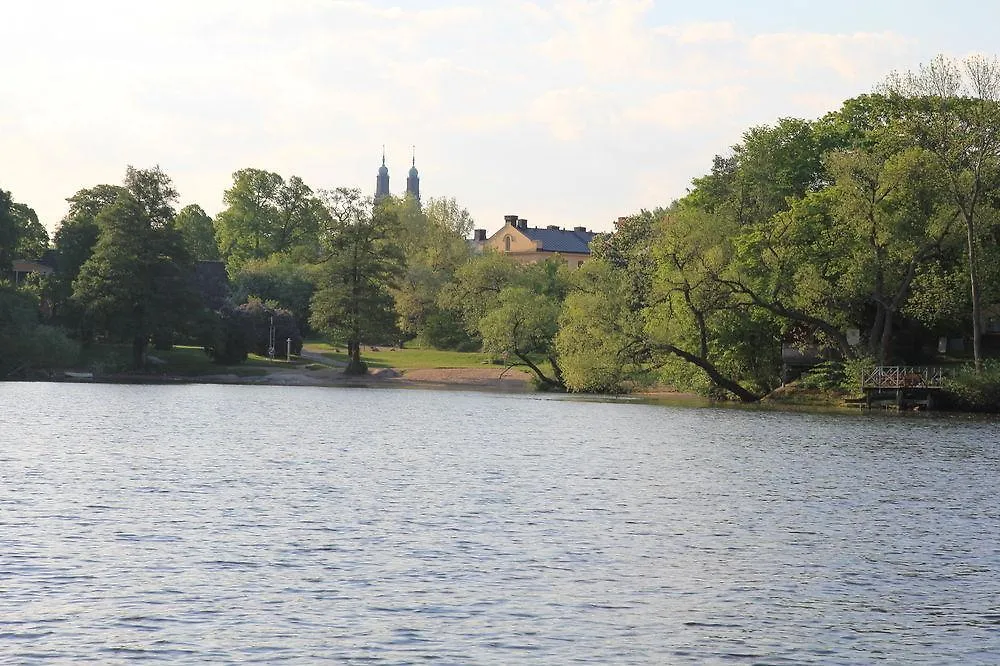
(868, 234)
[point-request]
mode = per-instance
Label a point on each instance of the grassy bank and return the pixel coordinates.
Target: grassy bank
(402, 359)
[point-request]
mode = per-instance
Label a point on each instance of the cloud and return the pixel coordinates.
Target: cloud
(589, 94)
(687, 109)
(699, 33)
(852, 57)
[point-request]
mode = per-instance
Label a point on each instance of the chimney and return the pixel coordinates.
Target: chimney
(510, 219)
(581, 230)
(522, 223)
(479, 235)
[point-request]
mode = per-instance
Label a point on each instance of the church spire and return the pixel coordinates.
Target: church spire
(413, 179)
(382, 182)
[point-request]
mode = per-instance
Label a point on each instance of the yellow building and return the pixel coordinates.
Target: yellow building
(530, 244)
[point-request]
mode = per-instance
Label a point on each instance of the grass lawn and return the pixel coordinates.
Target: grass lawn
(403, 359)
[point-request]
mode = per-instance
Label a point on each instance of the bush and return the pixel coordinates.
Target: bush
(970, 391)
(443, 329)
(257, 317)
(826, 375)
(25, 345)
(228, 342)
(240, 331)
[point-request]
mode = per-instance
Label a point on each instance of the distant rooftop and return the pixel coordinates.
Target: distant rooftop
(554, 239)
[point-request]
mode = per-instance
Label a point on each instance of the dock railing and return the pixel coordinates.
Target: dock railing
(903, 377)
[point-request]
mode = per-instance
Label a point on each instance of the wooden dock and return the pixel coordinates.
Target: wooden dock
(902, 387)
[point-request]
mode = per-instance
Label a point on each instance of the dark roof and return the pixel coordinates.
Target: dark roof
(561, 240)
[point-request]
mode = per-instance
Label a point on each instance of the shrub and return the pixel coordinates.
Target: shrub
(228, 341)
(975, 392)
(257, 317)
(826, 375)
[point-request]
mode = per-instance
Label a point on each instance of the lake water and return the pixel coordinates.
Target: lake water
(239, 524)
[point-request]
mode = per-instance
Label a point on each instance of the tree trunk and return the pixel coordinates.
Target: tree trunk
(547, 382)
(355, 366)
(139, 343)
(720, 380)
(886, 339)
(875, 332)
(977, 316)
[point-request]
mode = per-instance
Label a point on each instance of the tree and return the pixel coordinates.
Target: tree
(523, 325)
(602, 341)
(513, 308)
(198, 231)
(154, 192)
(26, 345)
(74, 243)
(476, 286)
(952, 109)
(434, 244)
(891, 211)
(698, 318)
(10, 232)
(139, 279)
(278, 280)
(267, 215)
(33, 239)
(363, 260)
(601, 337)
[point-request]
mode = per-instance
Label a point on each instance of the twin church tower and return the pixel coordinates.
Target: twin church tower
(412, 180)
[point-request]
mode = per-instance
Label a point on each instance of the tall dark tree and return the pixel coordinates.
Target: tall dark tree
(34, 239)
(10, 232)
(139, 281)
(198, 230)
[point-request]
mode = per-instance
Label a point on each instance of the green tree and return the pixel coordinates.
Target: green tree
(697, 318)
(952, 109)
(26, 345)
(33, 240)
(353, 301)
(277, 280)
(139, 280)
(74, 243)
(10, 232)
(601, 340)
(892, 211)
(513, 309)
(198, 230)
(476, 286)
(434, 244)
(154, 192)
(267, 215)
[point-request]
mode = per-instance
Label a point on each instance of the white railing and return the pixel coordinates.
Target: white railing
(902, 377)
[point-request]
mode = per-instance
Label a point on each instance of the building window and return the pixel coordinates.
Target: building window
(506, 243)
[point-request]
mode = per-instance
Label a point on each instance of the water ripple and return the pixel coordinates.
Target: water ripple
(194, 524)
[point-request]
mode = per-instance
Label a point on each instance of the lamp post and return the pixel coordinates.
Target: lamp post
(270, 340)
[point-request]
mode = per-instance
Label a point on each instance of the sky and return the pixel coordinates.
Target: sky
(565, 112)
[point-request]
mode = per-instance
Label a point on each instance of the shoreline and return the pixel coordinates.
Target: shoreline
(488, 380)
(485, 379)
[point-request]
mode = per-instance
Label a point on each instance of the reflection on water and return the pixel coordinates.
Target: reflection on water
(296, 525)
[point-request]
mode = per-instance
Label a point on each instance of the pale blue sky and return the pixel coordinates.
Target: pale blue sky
(567, 112)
